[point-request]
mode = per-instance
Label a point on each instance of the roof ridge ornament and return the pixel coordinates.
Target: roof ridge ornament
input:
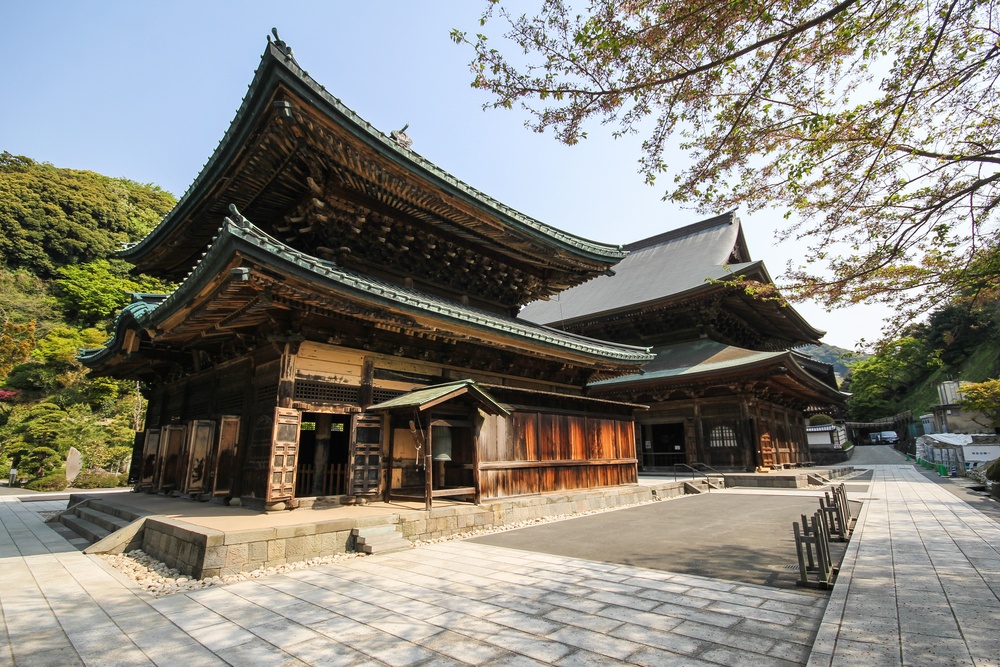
(281, 44)
(401, 138)
(237, 218)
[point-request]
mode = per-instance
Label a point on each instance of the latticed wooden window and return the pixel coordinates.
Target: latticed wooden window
(723, 436)
(325, 392)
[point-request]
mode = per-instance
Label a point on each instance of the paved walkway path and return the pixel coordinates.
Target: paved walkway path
(918, 587)
(919, 584)
(454, 603)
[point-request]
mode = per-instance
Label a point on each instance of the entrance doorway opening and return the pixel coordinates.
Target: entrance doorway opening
(324, 446)
(663, 445)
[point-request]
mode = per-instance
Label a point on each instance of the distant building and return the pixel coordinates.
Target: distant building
(726, 388)
(950, 417)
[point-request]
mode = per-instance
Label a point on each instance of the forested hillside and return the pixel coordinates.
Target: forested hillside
(959, 341)
(59, 283)
(838, 357)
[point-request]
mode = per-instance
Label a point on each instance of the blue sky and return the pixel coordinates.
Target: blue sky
(146, 90)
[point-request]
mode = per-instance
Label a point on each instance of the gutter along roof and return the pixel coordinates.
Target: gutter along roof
(289, 129)
(246, 271)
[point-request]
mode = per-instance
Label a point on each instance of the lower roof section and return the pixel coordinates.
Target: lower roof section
(705, 362)
(247, 275)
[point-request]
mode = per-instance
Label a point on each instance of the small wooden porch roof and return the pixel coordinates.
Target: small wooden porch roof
(427, 398)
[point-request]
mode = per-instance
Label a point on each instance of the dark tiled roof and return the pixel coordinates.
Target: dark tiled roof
(692, 358)
(696, 360)
(661, 266)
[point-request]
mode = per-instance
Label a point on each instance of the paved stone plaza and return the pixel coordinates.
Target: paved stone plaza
(918, 587)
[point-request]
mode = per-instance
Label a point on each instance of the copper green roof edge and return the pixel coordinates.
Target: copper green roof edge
(755, 358)
(238, 227)
(427, 303)
(418, 397)
(271, 58)
(130, 315)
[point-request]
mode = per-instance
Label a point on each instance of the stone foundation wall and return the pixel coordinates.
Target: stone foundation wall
(204, 552)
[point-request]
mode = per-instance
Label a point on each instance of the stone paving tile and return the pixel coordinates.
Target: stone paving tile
(667, 641)
(221, 635)
(911, 589)
(325, 652)
(449, 644)
(258, 653)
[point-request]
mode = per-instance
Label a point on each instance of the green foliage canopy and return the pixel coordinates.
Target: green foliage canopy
(91, 292)
(983, 397)
(874, 122)
(876, 382)
(53, 217)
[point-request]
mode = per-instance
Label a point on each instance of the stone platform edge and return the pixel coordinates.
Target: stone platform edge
(202, 552)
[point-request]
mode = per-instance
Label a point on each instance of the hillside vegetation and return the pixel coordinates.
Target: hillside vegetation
(959, 341)
(59, 283)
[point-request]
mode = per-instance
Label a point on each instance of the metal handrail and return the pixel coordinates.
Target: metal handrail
(684, 465)
(708, 467)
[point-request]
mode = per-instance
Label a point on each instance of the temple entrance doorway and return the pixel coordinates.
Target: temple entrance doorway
(324, 446)
(663, 445)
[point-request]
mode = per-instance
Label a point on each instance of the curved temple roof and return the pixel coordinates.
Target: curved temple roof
(706, 360)
(666, 268)
(373, 168)
(238, 237)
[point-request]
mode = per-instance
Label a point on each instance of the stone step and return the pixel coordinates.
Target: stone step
(109, 522)
(397, 544)
(379, 539)
(112, 509)
(381, 529)
(83, 527)
(690, 489)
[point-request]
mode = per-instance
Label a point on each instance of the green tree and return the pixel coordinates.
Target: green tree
(24, 297)
(52, 217)
(872, 123)
(92, 292)
(983, 397)
(16, 343)
(876, 383)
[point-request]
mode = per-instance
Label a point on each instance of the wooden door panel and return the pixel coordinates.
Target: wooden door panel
(284, 454)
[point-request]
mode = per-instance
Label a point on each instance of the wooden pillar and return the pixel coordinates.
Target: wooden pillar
(286, 377)
(699, 440)
(321, 458)
(367, 390)
(428, 469)
(247, 417)
(751, 454)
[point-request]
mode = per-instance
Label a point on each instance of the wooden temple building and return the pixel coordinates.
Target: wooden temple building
(726, 389)
(345, 323)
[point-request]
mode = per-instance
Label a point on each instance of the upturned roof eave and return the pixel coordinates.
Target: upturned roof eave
(241, 236)
(763, 360)
(277, 68)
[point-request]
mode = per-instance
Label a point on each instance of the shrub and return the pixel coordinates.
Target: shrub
(820, 420)
(993, 472)
(54, 482)
(96, 479)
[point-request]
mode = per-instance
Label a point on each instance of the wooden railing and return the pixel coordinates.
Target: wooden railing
(334, 481)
